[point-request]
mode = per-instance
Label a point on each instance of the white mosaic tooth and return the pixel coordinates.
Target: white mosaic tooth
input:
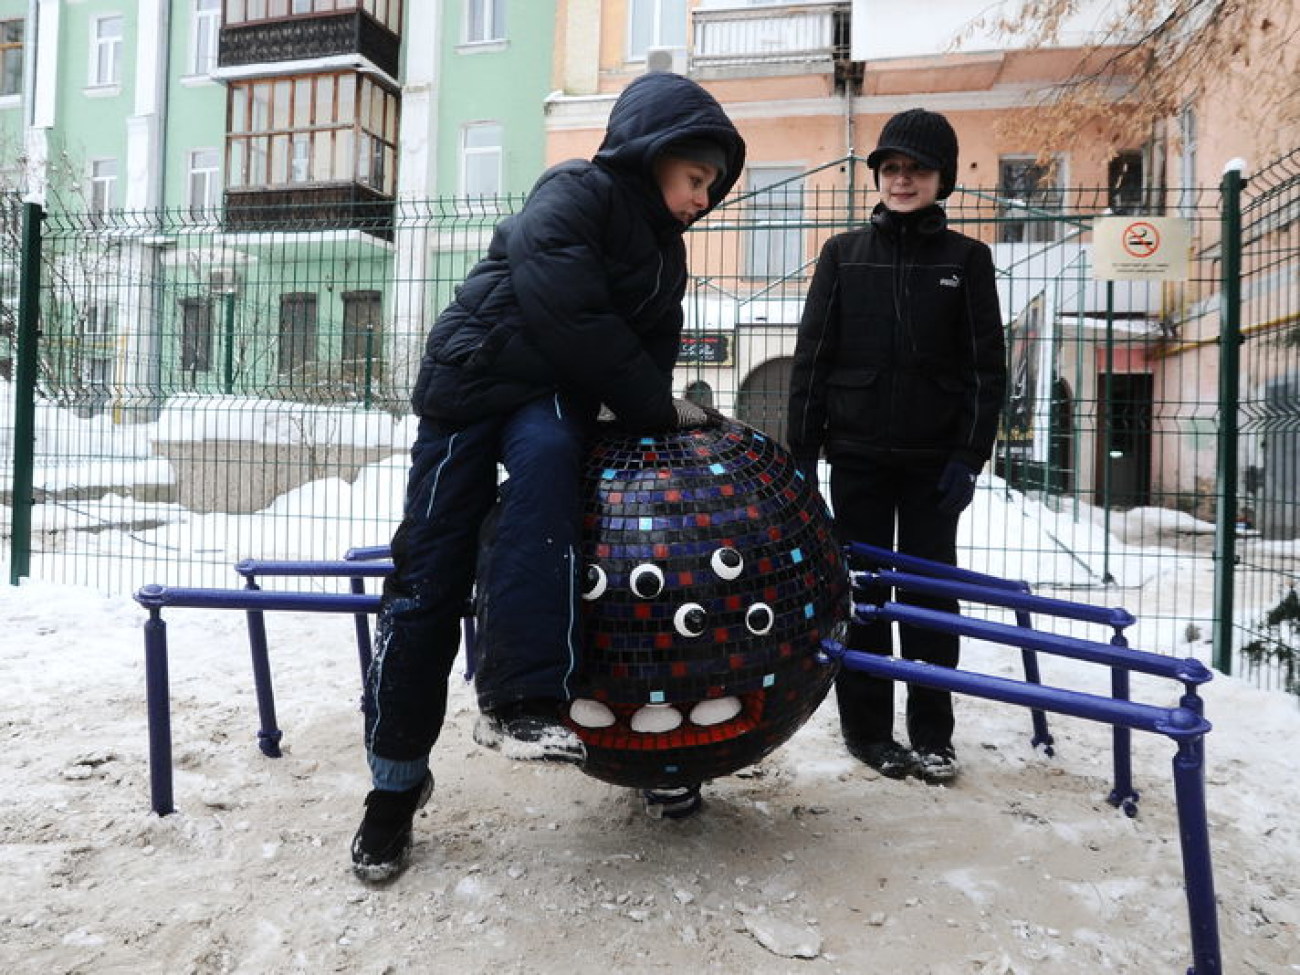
(587, 713)
(715, 711)
(656, 719)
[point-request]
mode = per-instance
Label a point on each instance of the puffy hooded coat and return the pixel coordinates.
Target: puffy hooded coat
(581, 290)
(900, 352)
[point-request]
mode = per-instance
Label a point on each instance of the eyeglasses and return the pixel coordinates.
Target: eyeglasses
(894, 168)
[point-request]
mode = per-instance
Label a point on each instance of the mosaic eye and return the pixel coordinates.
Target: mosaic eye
(759, 619)
(647, 581)
(690, 619)
(594, 582)
(726, 563)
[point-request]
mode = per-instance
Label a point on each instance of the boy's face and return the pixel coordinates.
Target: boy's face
(905, 184)
(685, 186)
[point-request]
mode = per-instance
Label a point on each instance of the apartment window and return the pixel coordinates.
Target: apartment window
(204, 183)
(298, 319)
(655, 23)
(96, 376)
(485, 20)
(480, 160)
(1125, 192)
(361, 324)
(775, 241)
(1029, 194)
(204, 34)
(327, 128)
(101, 320)
(11, 57)
(196, 334)
(106, 51)
(103, 186)
(386, 12)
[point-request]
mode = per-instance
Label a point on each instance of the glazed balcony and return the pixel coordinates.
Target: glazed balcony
(348, 35)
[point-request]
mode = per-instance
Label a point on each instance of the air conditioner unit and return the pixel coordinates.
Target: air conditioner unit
(666, 59)
(223, 281)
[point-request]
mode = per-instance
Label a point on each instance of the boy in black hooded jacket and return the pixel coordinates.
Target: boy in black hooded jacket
(577, 304)
(898, 376)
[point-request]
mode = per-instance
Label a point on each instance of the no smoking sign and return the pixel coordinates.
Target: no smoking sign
(1140, 249)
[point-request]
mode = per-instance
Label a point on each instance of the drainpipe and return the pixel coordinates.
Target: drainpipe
(850, 136)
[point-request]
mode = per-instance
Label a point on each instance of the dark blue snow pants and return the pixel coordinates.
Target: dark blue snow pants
(532, 573)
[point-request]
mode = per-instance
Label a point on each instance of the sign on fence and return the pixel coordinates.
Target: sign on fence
(705, 349)
(1140, 248)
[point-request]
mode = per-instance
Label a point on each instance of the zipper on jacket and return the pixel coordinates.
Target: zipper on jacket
(659, 273)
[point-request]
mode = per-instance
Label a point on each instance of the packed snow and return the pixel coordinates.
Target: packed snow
(808, 862)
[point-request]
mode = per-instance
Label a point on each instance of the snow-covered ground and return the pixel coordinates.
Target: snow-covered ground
(806, 863)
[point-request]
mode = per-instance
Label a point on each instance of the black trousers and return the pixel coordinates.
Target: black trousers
(896, 506)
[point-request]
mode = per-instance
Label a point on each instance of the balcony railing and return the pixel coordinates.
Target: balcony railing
(771, 39)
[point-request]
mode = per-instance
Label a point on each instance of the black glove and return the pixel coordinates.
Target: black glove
(807, 465)
(692, 415)
(956, 487)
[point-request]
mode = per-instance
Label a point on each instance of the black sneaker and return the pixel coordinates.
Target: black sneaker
(530, 731)
(382, 845)
(675, 803)
(887, 757)
(937, 765)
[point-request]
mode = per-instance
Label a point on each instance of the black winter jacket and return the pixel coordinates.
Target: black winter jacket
(900, 351)
(581, 290)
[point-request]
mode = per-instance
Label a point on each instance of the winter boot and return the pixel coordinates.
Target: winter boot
(382, 844)
(530, 731)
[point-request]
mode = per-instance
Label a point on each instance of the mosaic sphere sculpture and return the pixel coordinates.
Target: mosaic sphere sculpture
(711, 577)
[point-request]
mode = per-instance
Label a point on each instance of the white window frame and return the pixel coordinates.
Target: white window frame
(1034, 229)
(205, 35)
(106, 51)
(203, 183)
(103, 186)
(775, 248)
(13, 53)
(638, 10)
(491, 18)
(473, 157)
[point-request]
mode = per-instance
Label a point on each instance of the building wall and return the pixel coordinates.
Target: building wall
(147, 121)
(195, 108)
(498, 81)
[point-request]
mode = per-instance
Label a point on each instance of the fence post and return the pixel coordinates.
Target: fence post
(1225, 534)
(29, 303)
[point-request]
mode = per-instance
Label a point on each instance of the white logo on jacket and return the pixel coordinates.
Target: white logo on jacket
(951, 282)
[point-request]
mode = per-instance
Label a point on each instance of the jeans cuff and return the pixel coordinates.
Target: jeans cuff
(388, 775)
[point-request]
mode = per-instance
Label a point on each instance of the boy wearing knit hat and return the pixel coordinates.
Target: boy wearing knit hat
(898, 378)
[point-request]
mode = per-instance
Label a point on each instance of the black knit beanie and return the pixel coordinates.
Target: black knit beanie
(700, 149)
(926, 137)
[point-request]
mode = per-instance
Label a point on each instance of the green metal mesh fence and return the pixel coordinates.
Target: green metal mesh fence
(1267, 567)
(210, 392)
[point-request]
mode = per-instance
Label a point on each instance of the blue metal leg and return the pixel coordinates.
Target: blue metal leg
(1038, 717)
(269, 734)
(158, 706)
(1123, 796)
(362, 623)
(1194, 832)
